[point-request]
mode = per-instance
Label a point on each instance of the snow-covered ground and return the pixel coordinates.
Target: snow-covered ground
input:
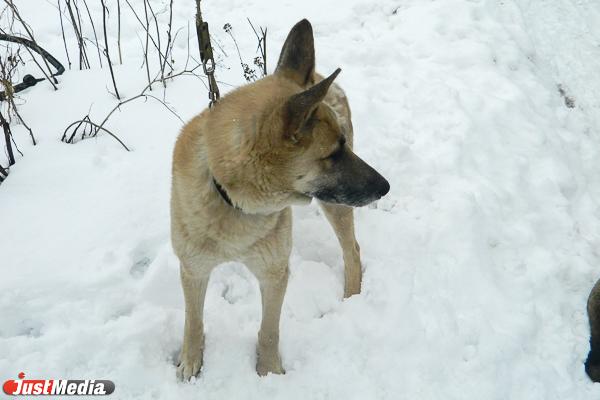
(477, 264)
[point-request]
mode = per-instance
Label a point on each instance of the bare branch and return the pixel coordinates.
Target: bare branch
(83, 60)
(106, 49)
(11, 101)
(147, 28)
(156, 45)
(162, 68)
(119, 30)
(261, 61)
(7, 139)
(87, 121)
(94, 30)
(62, 29)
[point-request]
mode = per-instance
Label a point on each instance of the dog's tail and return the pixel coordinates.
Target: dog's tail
(592, 364)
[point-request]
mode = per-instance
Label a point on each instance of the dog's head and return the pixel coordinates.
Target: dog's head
(299, 148)
(323, 164)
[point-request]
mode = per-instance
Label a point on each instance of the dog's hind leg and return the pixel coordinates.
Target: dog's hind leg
(341, 219)
(194, 280)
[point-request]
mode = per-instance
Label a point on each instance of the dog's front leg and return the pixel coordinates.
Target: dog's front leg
(273, 284)
(194, 282)
(341, 219)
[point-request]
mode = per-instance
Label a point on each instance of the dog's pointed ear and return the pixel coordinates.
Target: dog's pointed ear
(297, 58)
(300, 106)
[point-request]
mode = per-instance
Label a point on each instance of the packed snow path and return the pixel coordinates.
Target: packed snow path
(477, 264)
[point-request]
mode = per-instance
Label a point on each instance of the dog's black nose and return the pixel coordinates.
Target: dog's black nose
(384, 188)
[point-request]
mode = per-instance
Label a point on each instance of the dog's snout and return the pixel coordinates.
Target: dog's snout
(384, 188)
(378, 185)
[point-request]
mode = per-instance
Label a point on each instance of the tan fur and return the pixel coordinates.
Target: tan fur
(239, 143)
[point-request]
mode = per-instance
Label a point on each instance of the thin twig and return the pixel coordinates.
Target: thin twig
(162, 68)
(143, 94)
(72, 137)
(62, 29)
(12, 138)
(94, 30)
(11, 101)
(157, 32)
(146, 47)
(156, 46)
(83, 61)
(7, 139)
(119, 30)
(98, 128)
(262, 46)
(187, 59)
(106, 50)
(81, 29)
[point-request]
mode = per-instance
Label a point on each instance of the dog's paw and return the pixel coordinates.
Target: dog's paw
(190, 364)
(352, 276)
(186, 370)
(351, 287)
(351, 291)
(268, 362)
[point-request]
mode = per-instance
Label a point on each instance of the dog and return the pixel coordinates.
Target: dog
(239, 166)
(592, 363)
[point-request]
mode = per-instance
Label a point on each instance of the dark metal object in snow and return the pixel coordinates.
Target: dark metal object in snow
(29, 80)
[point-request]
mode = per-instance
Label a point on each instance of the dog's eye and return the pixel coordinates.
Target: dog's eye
(336, 154)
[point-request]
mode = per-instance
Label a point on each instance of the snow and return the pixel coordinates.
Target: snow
(477, 265)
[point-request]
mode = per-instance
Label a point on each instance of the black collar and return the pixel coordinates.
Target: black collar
(224, 194)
